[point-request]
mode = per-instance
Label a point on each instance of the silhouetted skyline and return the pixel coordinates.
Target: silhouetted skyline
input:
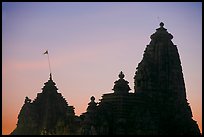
(89, 43)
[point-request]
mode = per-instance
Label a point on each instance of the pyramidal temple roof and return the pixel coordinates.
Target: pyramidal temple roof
(50, 85)
(46, 113)
(121, 85)
(49, 92)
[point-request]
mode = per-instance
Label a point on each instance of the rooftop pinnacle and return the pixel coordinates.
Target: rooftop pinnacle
(50, 76)
(121, 85)
(121, 75)
(161, 24)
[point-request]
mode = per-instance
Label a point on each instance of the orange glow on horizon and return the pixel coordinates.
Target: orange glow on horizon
(9, 123)
(9, 118)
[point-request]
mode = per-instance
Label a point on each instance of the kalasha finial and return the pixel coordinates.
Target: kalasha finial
(161, 24)
(121, 75)
(92, 98)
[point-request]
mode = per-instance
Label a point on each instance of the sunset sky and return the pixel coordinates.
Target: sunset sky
(89, 44)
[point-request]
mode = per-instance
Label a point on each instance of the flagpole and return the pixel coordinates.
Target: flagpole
(49, 63)
(46, 52)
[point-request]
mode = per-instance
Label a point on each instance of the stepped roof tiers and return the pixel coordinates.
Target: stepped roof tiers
(113, 114)
(48, 114)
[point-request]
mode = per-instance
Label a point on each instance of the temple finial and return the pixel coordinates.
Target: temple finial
(50, 76)
(92, 98)
(161, 24)
(121, 75)
(121, 86)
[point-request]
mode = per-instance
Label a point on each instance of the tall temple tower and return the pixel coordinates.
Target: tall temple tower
(159, 77)
(48, 114)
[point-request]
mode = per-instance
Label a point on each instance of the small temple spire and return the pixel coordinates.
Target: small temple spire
(92, 98)
(121, 86)
(92, 105)
(50, 85)
(27, 100)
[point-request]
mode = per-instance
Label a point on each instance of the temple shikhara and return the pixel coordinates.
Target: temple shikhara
(158, 106)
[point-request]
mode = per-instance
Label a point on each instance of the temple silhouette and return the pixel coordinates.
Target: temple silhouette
(158, 105)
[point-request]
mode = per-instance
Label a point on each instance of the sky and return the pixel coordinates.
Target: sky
(89, 44)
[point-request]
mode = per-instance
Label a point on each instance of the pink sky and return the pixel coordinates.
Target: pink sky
(89, 44)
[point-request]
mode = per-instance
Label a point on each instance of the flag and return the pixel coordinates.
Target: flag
(46, 52)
